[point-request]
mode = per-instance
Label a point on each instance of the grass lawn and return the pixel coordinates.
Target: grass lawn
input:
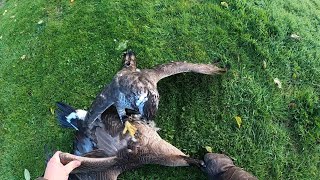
(60, 51)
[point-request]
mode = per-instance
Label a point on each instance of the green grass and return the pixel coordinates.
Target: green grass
(75, 51)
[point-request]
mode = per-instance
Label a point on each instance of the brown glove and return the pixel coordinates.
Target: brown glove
(221, 167)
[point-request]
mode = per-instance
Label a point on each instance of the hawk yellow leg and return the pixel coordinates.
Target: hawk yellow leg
(130, 128)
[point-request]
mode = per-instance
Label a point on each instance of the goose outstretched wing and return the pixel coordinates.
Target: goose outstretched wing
(164, 70)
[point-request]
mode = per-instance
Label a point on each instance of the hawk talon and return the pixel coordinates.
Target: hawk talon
(130, 128)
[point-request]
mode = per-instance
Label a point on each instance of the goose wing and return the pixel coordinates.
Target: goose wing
(162, 71)
(154, 150)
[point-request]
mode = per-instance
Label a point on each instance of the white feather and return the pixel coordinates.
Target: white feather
(81, 114)
(72, 115)
(142, 99)
(153, 125)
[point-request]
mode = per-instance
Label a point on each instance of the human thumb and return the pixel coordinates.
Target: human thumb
(72, 165)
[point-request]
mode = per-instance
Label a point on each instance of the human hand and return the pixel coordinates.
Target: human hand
(57, 171)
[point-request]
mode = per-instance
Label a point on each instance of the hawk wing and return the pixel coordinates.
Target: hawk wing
(102, 102)
(150, 107)
(108, 135)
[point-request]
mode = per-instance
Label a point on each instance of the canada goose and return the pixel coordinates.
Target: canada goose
(136, 89)
(107, 152)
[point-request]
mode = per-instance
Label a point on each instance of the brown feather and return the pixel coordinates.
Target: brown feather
(150, 148)
(130, 86)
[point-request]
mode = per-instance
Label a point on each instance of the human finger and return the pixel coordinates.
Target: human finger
(72, 165)
(56, 157)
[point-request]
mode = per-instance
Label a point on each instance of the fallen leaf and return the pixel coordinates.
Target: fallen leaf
(264, 64)
(208, 149)
(40, 22)
(0, 37)
(277, 82)
(224, 4)
(12, 17)
(52, 110)
(71, 1)
(4, 13)
(295, 36)
(23, 57)
(238, 120)
(292, 105)
(294, 76)
(27, 174)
